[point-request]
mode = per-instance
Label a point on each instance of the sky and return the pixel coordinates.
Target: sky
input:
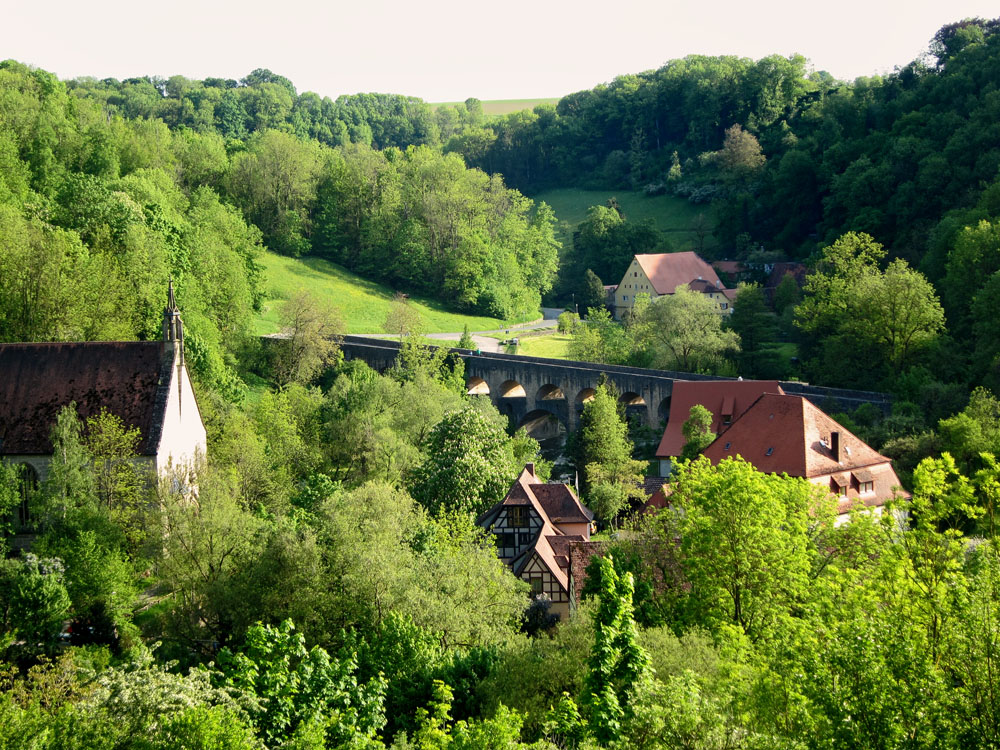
(449, 50)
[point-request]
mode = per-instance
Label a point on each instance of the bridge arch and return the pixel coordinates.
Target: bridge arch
(476, 386)
(631, 398)
(663, 410)
(544, 426)
(585, 395)
(549, 392)
(512, 389)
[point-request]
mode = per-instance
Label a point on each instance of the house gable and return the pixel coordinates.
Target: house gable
(515, 530)
(533, 526)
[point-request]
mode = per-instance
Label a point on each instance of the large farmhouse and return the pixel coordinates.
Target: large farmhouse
(780, 434)
(660, 274)
(534, 526)
(144, 383)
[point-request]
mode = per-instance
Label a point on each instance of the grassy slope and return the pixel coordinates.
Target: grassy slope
(363, 304)
(504, 106)
(671, 215)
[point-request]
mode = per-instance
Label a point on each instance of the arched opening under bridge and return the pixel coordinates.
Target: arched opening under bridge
(550, 392)
(476, 386)
(550, 432)
(512, 389)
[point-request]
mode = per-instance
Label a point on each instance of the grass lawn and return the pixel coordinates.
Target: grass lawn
(363, 304)
(553, 346)
(672, 215)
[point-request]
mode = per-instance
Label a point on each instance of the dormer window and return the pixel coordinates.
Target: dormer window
(865, 480)
(727, 419)
(839, 485)
(769, 451)
(517, 517)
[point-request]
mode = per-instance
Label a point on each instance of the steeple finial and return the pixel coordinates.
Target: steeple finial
(173, 329)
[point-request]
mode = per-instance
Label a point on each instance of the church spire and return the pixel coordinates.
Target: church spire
(173, 329)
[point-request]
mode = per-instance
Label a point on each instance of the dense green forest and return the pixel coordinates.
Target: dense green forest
(326, 586)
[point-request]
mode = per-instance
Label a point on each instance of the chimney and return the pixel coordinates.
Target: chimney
(530, 467)
(835, 445)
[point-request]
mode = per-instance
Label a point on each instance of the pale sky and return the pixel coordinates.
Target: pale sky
(448, 50)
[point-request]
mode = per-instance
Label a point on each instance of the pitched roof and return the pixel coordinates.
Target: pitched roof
(667, 271)
(729, 266)
(715, 395)
(787, 434)
(560, 504)
(797, 271)
(129, 378)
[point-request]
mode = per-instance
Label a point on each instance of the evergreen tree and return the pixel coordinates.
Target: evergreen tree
(618, 665)
(466, 342)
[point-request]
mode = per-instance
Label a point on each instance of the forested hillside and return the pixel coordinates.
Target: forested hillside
(319, 580)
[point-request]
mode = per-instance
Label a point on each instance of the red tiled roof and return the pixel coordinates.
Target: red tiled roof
(704, 286)
(658, 500)
(796, 270)
(38, 380)
(713, 395)
(782, 434)
(667, 271)
(728, 266)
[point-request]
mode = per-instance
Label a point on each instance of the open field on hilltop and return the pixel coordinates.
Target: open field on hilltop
(672, 215)
(363, 304)
(504, 106)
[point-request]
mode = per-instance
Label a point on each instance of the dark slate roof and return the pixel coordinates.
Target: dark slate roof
(560, 504)
(130, 378)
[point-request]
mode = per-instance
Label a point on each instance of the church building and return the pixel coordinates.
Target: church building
(144, 383)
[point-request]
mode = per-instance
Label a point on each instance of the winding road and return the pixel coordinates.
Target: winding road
(487, 343)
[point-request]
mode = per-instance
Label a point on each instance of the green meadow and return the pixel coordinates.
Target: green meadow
(553, 346)
(362, 304)
(675, 217)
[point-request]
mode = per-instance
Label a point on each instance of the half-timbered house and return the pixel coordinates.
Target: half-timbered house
(534, 526)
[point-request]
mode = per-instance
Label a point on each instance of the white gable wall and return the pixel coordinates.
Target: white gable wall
(183, 437)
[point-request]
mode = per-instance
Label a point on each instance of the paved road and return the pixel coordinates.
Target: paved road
(486, 343)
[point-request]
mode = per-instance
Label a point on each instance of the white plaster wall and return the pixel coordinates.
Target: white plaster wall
(183, 437)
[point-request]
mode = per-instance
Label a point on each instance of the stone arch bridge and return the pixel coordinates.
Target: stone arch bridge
(534, 390)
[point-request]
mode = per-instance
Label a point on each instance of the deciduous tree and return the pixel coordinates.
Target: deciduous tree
(684, 331)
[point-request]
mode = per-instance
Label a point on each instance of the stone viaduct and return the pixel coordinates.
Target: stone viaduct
(533, 390)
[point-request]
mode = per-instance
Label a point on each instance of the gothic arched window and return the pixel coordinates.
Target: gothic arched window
(27, 481)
